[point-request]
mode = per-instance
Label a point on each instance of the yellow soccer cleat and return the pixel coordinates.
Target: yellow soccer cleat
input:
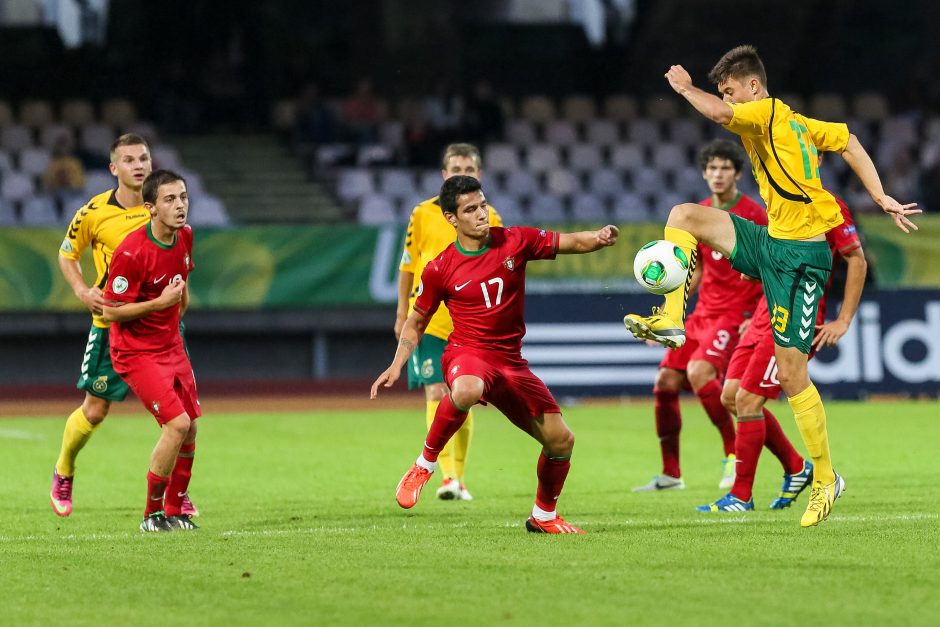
(821, 499)
(657, 327)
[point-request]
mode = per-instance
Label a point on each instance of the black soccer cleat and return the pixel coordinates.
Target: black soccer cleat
(183, 521)
(155, 522)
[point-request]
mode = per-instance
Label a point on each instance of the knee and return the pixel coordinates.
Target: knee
(682, 215)
(749, 404)
(466, 392)
(668, 380)
(95, 409)
(435, 392)
(561, 444)
(179, 428)
(728, 400)
(700, 373)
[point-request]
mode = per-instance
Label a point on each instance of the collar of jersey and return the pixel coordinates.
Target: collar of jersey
(469, 253)
(732, 203)
(158, 242)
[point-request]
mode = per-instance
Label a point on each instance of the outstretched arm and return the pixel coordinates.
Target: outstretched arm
(411, 333)
(858, 159)
(709, 105)
(405, 281)
(587, 241)
(830, 333)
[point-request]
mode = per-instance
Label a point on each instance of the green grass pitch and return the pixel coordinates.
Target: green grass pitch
(300, 526)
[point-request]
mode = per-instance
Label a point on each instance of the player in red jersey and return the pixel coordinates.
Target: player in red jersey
(147, 293)
(724, 301)
(752, 380)
(481, 278)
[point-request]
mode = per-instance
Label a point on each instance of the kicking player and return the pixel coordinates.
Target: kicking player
(145, 297)
(725, 300)
(790, 255)
(752, 380)
(428, 234)
(481, 277)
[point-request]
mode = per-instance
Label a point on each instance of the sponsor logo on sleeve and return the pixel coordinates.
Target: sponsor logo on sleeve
(119, 285)
(66, 246)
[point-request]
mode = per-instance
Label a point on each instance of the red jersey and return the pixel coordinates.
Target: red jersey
(485, 290)
(722, 290)
(140, 270)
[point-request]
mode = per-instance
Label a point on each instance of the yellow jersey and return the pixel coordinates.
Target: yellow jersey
(428, 234)
(102, 224)
(783, 147)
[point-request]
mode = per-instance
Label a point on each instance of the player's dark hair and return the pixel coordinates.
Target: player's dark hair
(153, 182)
(453, 188)
(128, 139)
(462, 150)
(738, 63)
(722, 149)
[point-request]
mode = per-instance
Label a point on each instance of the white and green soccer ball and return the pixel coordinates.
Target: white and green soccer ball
(661, 266)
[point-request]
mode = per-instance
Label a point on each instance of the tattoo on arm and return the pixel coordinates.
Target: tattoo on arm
(406, 344)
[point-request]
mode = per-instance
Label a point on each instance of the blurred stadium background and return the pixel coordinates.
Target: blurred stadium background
(308, 132)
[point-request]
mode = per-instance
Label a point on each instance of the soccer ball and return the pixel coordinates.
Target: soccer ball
(661, 266)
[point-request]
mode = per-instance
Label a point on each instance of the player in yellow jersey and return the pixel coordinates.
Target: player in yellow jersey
(101, 225)
(428, 234)
(790, 255)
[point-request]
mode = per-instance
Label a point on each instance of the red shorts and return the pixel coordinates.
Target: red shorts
(755, 365)
(508, 384)
(709, 338)
(164, 382)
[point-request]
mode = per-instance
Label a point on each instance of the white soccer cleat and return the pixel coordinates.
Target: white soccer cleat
(728, 472)
(660, 483)
(449, 490)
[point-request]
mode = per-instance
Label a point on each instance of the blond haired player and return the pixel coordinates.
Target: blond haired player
(428, 234)
(790, 255)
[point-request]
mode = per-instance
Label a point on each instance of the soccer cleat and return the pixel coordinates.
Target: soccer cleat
(155, 522)
(555, 525)
(60, 495)
(183, 521)
(409, 488)
(657, 327)
(449, 490)
(727, 503)
(793, 485)
(728, 473)
(188, 507)
(821, 499)
(661, 482)
(465, 494)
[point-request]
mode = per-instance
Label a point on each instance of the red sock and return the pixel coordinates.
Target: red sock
(747, 448)
(710, 395)
(778, 444)
(552, 474)
(668, 426)
(447, 421)
(156, 486)
(179, 480)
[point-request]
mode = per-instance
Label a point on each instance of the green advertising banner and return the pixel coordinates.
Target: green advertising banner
(322, 266)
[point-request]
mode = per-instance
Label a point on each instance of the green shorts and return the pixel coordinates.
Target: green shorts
(98, 377)
(424, 368)
(794, 274)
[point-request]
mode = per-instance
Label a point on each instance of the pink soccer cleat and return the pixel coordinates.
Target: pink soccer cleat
(187, 507)
(61, 494)
(556, 525)
(409, 488)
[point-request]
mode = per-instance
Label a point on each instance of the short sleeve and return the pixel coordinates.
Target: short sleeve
(539, 243)
(430, 291)
(79, 235)
(190, 262)
(844, 238)
(123, 277)
(827, 136)
(750, 118)
(409, 255)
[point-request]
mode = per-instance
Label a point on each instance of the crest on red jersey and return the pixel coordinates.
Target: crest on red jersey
(509, 263)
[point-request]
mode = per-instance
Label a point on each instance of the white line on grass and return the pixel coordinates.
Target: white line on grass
(14, 434)
(263, 533)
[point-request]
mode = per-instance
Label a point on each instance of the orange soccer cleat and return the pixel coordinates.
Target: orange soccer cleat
(409, 488)
(555, 525)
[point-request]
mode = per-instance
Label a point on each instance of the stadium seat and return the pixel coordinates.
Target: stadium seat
(6, 113)
(520, 132)
(98, 181)
(539, 109)
(15, 138)
(354, 183)
(207, 210)
(665, 202)
(373, 154)
(647, 181)
(900, 130)
(578, 108)
(392, 133)
(562, 182)
(589, 208)
(145, 129)
(829, 107)
(6, 163)
(630, 208)
(509, 209)
(39, 211)
(36, 113)
(662, 107)
(50, 134)
(605, 182)
(686, 132)
(165, 157)
(602, 132)
(7, 214)
(870, 107)
(500, 158)
(627, 157)
(77, 112)
(561, 133)
(689, 183)
(16, 187)
(118, 112)
(669, 157)
(547, 209)
(376, 210)
(585, 157)
(521, 183)
(932, 129)
(96, 138)
(397, 183)
(407, 204)
(795, 102)
(542, 158)
(620, 107)
(429, 183)
(34, 161)
(643, 131)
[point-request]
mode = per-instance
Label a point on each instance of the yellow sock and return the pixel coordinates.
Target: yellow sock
(676, 300)
(445, 461)
(77, 432)
(462, 446)
(811, 419)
